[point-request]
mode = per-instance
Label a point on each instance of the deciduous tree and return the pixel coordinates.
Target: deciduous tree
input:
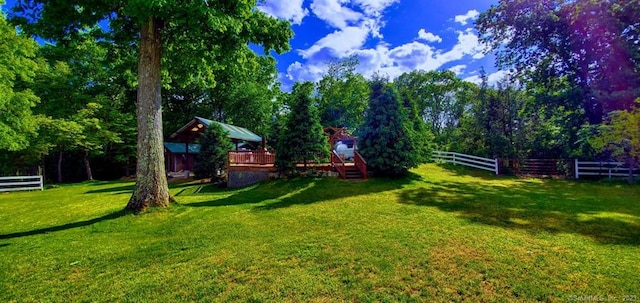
(18, 65)
(620, 135)
(194, 35)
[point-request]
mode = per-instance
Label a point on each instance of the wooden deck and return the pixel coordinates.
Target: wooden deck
(265, 161)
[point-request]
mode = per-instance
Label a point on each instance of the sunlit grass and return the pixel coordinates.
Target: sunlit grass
(442, 234)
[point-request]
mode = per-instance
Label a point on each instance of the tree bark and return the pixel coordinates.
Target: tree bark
(87, 165)
(151, 181)
(60, 167)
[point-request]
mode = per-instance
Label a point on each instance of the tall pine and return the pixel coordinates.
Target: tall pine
(386, 140)
(303, 138)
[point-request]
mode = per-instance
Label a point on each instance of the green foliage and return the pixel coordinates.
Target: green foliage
(214, 150)
(192, 38)
(18, 67)
(343, 95)
(302, 139)
(423, 140)
(548, 40)
(386, 139)
(439, 98)
(243, 93)
(621, 137)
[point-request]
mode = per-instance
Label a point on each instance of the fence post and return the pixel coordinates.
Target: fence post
(577, 168)
(454, 158)
(496, 163)
(41, 183)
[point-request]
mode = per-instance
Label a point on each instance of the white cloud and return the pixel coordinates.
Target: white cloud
(291, 10)
(470, 15)
(458, 69)
(336, 15)
(492, 79)
(308, 72)
(429, 37)
(340, 43)
(354, 28)
(468, 45)
(391, 61)
(374, 7)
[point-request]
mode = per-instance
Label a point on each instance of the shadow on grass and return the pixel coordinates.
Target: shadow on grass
(129, 187)
(303, 191)
(550, 206)
(4, 245)
(460, 170)
(106, 217)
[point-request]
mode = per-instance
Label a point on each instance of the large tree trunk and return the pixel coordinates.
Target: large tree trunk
(151, 181)
(87, 165)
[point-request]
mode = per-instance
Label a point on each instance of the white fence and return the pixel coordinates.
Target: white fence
(467, 160)
(602, 169)
(21, 183)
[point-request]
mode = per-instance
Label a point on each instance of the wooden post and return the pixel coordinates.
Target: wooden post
(497, 169)
(577, 168)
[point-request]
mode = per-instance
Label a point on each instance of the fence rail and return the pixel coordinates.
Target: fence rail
(602, 169)
(18, 183)
(467, 160)
(538, 167)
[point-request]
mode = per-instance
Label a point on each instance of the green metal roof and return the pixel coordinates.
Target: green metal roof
(235, 132)
(179, 148)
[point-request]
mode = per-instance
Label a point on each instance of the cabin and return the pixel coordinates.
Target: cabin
(180, 155)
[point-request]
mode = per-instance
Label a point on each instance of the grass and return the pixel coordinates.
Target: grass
(441, 234)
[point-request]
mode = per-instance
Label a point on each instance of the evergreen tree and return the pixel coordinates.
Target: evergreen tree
(386, 140)
(422, 138)
(214, 148)
(303, 137)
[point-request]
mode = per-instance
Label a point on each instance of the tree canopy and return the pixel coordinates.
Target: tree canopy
(18, 66)
(594, 44)
(187, 38)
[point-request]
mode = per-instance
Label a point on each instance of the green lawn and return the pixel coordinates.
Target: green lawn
(442, 234)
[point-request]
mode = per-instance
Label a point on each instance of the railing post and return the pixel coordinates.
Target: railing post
(496, 163)
(41, 183)
(577, 168)
(454, 158)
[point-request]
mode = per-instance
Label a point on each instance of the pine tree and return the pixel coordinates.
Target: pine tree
(214, 148)
(385, 140)
(303, 138)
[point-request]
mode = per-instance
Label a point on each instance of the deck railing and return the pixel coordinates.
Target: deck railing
(360, 163)
(260, 157)
(339, 164)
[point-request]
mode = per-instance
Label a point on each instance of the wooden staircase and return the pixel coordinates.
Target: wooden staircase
(350, 171)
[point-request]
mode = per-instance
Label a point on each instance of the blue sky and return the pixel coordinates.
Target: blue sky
(388, 36)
